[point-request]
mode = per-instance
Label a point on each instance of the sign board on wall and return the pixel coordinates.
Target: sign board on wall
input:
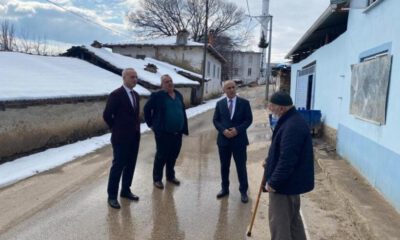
(369, 89)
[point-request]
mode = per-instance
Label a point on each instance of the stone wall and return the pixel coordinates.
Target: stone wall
(329, 135)
(29, 126)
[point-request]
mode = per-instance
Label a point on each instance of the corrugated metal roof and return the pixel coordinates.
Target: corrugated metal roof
(331, 24)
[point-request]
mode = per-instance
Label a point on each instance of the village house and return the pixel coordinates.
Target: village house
(346, 65)
(179, 51)
(52, 101)
(149, 70)
(245, 67)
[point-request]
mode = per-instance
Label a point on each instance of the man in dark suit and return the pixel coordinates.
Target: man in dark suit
(232, 117)
(165, 114)
(122, 117)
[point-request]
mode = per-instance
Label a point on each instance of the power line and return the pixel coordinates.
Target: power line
(88, 20)
(248, 8)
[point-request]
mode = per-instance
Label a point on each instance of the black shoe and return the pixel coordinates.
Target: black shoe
(222, 193)
(159, 185)
(244, 198)
(130, 196)
(114, 203)
(174, 181)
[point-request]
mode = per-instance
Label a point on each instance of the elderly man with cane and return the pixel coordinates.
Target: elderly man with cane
(289, 169)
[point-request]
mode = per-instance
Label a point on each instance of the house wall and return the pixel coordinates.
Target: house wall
(373, 149)
(26, 128)
(190, 58)
(242, 61)
(187, 95)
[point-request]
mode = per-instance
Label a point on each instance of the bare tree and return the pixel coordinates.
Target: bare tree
(7, 39)
(40, 46)
(25, 44)
(167, 17)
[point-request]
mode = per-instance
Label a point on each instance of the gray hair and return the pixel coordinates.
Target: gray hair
(165, 76)
(127, 70)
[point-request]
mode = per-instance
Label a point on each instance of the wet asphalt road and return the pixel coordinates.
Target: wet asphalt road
(70, 202)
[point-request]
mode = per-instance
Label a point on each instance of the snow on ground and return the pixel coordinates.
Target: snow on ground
(46, 77)
(122, 62)
(28, 166)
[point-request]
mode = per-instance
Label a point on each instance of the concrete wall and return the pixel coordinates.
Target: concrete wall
(190, 58)
(28, 127)
(187, 94)
(373, 149)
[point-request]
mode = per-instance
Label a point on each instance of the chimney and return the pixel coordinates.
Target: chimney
(182, 37)
(211, 37)
(96, 44)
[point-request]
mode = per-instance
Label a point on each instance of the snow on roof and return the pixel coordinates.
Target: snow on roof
(165, 41)
(167, 65)
(24, 76)
(123, 62)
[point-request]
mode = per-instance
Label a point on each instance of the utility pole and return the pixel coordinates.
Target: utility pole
(265, 19)
(268, 77)
(204, 54)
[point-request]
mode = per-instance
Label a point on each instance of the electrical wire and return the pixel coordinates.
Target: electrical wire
(248, 8)
(88, 20)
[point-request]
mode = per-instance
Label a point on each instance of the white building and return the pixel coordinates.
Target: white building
(181, 52)
(347, 65)
(245, 66)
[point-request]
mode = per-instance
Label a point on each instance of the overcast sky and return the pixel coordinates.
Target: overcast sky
(43, 19)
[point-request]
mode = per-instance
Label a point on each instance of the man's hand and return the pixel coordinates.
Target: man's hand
(233, 131)
(227, 133)
(270, 189)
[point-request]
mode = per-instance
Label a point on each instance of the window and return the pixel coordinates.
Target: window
(250, 59)
(235, 71)
(249, 72)
(140, 56)
(370, 85)
(371, 4)
(218, 76)
(208, 68)
(214, 67)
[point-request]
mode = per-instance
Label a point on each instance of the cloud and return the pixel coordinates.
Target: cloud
(71, 23)
(291, 19)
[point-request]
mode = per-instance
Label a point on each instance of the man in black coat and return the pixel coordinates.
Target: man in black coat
(122, 117)
(232, 117)
(289, 169)
(165, 114)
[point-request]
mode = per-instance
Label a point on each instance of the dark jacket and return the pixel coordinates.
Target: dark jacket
(290, 162)
(242, 119)
(121, 118)
(154, 111)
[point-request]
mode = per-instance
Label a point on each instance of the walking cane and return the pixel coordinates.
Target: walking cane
(262, 189)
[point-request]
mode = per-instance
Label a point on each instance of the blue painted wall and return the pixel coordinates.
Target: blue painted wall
(373, 149)
(379, 165)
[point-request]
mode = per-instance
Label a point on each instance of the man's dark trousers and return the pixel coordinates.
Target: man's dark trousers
(240, 157)
(125, 155)
(168, 147)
